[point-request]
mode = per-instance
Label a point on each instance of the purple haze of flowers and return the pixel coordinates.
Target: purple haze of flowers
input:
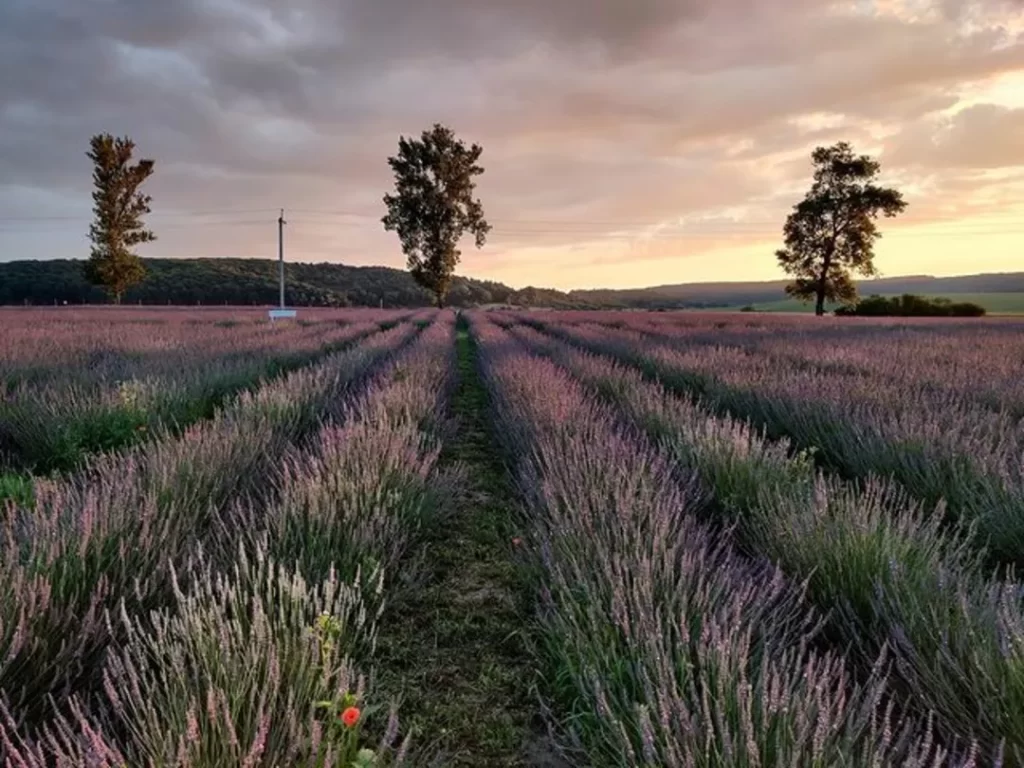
(937, 444)
(665, 647)
(141, 381)
(110, 533)
(230, 673)
(888, 572)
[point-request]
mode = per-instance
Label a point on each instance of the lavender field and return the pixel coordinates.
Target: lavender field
(422, 538)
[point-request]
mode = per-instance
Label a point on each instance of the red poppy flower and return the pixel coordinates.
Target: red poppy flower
(350, 716)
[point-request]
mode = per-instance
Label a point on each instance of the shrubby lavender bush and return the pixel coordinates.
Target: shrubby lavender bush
(936, 443)
(706, 596)
(248, 663)
(126, 382)
(891, 574)
(664, 647)
(358, 493)
(231, 673)
(110, 533)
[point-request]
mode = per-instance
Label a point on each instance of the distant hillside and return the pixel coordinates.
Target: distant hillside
(721, 295)
(255, 282)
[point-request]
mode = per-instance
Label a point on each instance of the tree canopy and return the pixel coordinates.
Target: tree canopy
(118, 208)
(831, 232)
(433, 205)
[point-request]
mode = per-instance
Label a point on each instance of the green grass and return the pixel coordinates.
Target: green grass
(995, 303)
(452, 647)
(17, 488)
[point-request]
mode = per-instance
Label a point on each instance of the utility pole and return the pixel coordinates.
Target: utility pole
(281, 312)
(280, 252)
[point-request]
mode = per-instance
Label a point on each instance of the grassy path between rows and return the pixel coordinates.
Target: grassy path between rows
(453, 647)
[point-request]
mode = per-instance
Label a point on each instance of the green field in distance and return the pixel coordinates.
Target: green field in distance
(995, 303)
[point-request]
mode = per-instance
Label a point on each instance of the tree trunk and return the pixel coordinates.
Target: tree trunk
(440, 300)
(819, 305)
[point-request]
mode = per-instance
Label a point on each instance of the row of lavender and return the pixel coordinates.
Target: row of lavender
(212, 599)
(940, 445)
(890, 577)
(664, 644)
(976, 360)
(69, 389)
(85, 343)
(973, 361)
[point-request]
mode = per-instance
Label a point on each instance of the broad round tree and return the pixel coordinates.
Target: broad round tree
(433, 205)
(831, 232)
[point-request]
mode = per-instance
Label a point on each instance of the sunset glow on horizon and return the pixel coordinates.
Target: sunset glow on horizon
(625, 144)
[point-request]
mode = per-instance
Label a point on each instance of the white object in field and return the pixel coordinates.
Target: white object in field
(279, 313)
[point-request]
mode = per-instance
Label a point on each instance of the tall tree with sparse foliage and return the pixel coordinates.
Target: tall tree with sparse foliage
(433, 205)
(118, 208)
(832, 231)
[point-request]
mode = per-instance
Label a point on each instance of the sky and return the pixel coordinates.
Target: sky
(626, 143)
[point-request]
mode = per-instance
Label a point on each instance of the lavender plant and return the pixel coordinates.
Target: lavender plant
(237, 671)
(273, 661)
(975, 361)
(119, 397)
(359, 493)
(939, 447)
(891, 574)
(109, 534)
(662, 646)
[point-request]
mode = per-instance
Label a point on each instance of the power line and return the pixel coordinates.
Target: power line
(161, 228)
(547, 224)
(510, 228)
(698, 228)
(156, 214)
(668, 229)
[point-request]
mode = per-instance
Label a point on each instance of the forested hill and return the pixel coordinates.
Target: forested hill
(735, 294)
(254, 282)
